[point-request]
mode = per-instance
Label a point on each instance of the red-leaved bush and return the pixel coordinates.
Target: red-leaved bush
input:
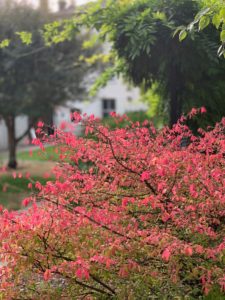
(134, 213)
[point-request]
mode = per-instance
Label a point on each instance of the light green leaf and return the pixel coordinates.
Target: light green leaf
(204, 22)
(216, 20)
(91, 42)
(5, 43)
(222, 13)
(182, 35)
(26, 37)
(159, 16)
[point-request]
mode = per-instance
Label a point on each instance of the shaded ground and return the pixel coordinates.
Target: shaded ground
(12, 201)
(35, 168)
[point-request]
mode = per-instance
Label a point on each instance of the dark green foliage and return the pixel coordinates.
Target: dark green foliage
(188, 73)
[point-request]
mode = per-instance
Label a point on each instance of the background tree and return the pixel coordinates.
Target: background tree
(146, 51)
(34, 77)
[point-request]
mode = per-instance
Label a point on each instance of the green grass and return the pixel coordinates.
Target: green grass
(16, 190)
(38, 155)
(215, 294)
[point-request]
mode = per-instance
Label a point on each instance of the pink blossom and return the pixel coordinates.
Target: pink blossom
(203, 110)
(145, 175)
(166, 255)
(47, 275)
(40, 124)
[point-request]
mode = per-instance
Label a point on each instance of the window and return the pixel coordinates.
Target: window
(108, 106)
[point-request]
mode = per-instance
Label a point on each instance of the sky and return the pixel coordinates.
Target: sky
(54, 3)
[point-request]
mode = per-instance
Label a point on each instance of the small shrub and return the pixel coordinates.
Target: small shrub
(144, 220)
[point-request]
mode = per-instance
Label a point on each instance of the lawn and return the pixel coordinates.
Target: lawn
(38, 155)
(13, 191)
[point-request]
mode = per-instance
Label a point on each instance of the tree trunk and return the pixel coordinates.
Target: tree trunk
(10, 123)
(176, 87)
(175, 108)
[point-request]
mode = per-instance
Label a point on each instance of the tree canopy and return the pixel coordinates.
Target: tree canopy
(34, 77)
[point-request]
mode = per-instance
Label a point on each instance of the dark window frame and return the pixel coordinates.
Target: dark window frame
(108, 106)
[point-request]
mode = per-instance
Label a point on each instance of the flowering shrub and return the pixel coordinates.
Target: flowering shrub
(132, 214)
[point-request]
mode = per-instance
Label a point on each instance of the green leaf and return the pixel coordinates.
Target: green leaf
(178, 29)
(216, 20)
(182, 35)
(204, 22)
(222, 36)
